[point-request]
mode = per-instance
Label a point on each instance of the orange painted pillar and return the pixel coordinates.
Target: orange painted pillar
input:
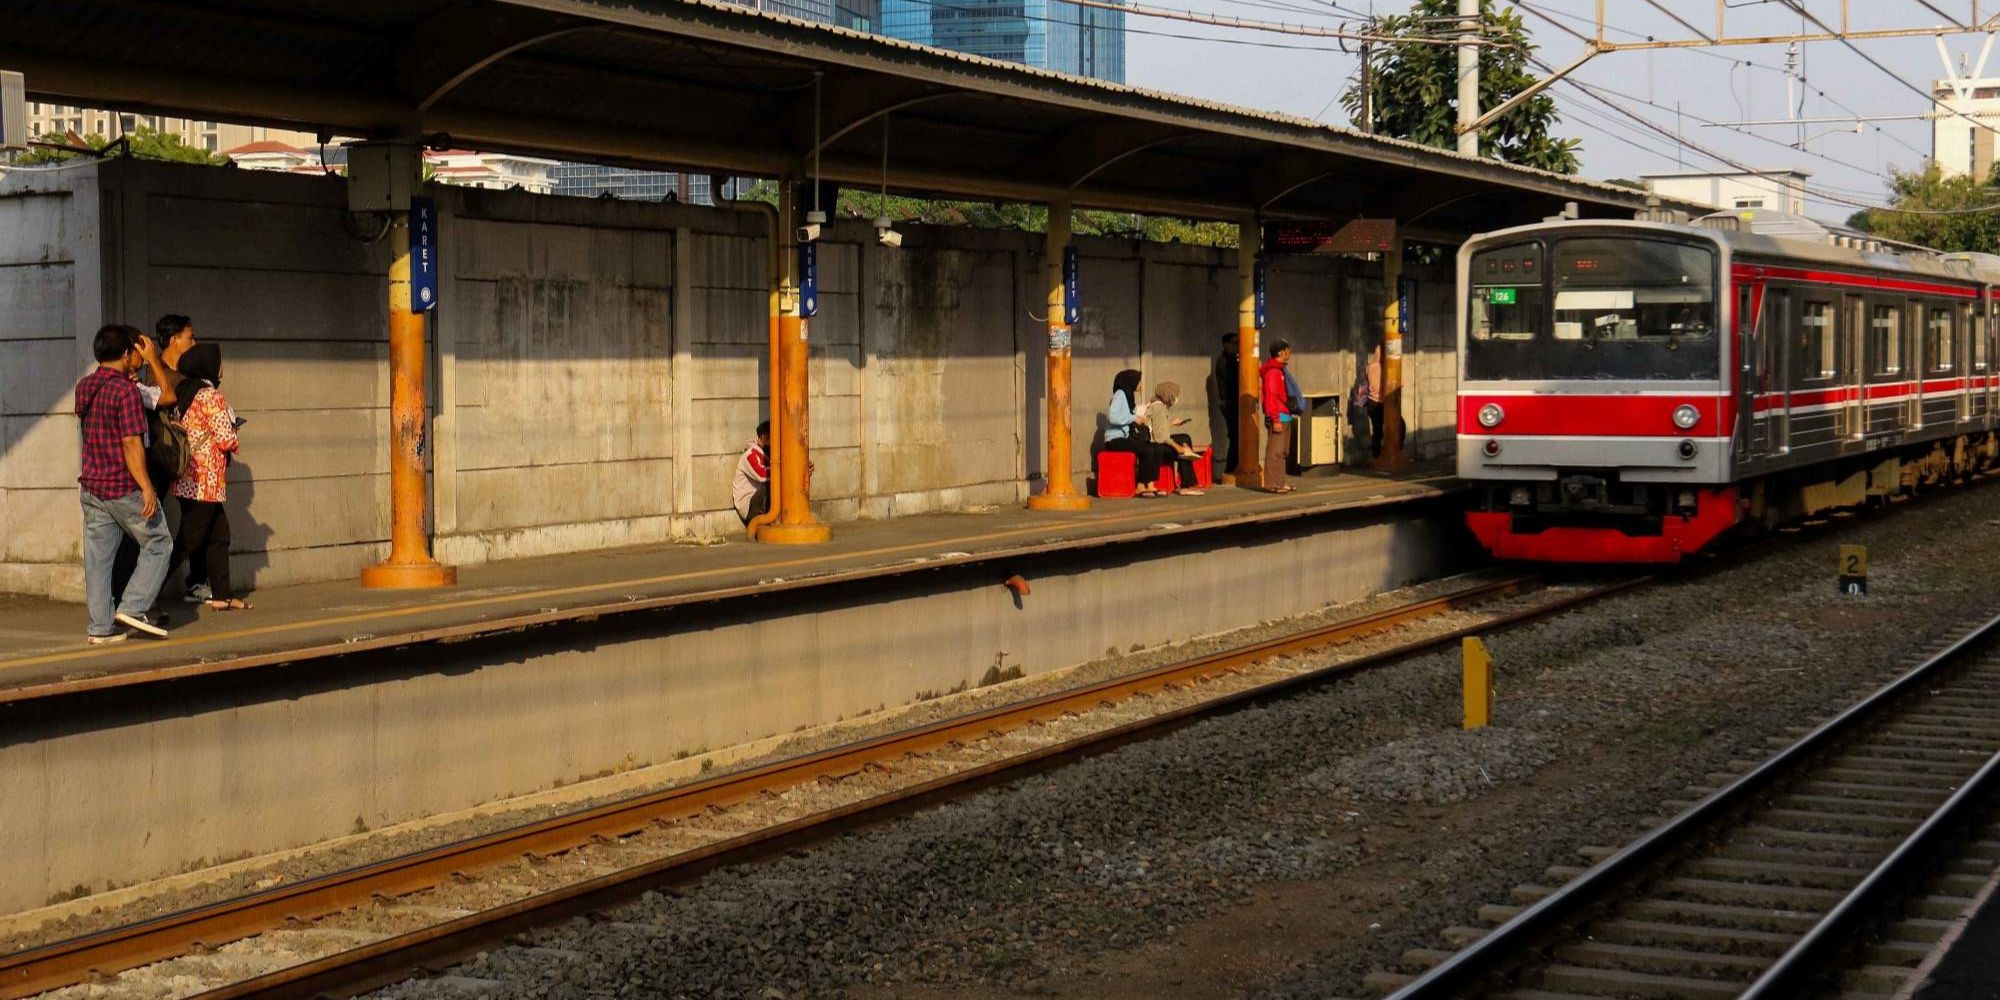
(1061, 492)
(1249, 469)
(1392, 361)
(795, 524)
(410, 566)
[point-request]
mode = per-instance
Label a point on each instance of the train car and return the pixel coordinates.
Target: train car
(1630, 392)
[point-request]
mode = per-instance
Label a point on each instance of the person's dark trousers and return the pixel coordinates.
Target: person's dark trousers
(204, 530)
(1228, 454)
(1375, 429)
(122, 565)
(128, 555)
(1183, 467)
(1145, 459)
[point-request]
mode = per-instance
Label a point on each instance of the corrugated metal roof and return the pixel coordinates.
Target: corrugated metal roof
(1117, 89)
(708, 84)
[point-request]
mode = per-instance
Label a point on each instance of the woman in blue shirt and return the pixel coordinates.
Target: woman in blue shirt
(1126, 430)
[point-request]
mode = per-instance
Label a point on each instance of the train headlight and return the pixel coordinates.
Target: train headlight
(1491, 414)
(1687, 450)
(1686, 416)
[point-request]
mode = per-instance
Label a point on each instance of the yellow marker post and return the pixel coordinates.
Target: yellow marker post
(1478, 683)
(1854, 570)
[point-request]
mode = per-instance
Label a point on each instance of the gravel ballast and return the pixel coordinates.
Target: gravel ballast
(1288, 849)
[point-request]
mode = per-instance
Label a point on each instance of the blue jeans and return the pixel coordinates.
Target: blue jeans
(104, 523)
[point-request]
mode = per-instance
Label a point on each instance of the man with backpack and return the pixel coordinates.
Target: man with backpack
(166, 444)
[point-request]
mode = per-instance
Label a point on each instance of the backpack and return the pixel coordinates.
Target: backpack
(167, 452)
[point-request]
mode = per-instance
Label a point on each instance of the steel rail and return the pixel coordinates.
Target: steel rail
(1810, 957)
(67, 962)
(1492, 953)
(383, 962)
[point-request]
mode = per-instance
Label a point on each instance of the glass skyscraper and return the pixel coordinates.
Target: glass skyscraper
(1065, 37)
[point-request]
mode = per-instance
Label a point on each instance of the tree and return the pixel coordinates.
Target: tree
(144, 143)
(863, 204)
(1931, 190)
(1416, 87)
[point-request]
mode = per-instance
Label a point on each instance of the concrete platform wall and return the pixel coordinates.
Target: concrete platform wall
(51, 299)
(599, 365)
(112, 789)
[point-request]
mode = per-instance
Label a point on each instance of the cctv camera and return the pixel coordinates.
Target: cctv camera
(809, 232)
(889, 238)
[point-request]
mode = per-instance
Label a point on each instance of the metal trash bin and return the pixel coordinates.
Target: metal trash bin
(1318, 440)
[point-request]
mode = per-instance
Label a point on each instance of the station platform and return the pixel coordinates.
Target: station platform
(42, 652)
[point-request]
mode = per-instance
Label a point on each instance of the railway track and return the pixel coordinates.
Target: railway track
(353, 930)
(1829, 869)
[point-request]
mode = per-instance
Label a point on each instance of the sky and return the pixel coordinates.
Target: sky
(1717, 84)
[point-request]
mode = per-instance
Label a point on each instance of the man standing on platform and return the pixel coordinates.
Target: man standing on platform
(1282, 404)
(117, 495)
(1226, 389)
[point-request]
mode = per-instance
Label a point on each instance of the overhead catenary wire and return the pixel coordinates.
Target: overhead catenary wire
(1705, 121)
(1872, 61)
(1807, 86)
(1820, 193)
(1220, 21)
(974, 8)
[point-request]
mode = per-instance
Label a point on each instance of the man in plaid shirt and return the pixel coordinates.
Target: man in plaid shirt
(117, 495)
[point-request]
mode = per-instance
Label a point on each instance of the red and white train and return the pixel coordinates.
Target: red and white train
(1631, 391)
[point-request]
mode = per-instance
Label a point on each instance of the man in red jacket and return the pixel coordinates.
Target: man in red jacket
(1281, 407)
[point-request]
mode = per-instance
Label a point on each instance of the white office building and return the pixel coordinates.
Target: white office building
(1960, 144)
(1781, 190)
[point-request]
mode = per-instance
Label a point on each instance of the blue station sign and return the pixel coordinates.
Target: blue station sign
(423, 255)
(808, 280)
(1072, 287)
(1259, 272)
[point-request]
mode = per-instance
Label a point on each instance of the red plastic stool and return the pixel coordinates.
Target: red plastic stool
(1115, 474)
(1204, 469)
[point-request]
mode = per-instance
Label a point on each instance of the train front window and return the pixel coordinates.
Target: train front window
(1507, 293)
(1616, 308)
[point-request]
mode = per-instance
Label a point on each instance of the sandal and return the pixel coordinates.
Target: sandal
(232, 604)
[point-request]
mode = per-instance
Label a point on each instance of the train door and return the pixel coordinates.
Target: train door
(1920, 359)
(1770, 398)
(1963, 361)
(1750, 440)
(1854, 366)
(1981, 366)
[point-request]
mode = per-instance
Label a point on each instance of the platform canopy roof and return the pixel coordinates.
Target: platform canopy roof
(722, 88)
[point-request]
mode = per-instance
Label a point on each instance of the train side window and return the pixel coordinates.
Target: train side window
(1978, 335)
(1942, 349)
(1816, 341)
(1885, 339)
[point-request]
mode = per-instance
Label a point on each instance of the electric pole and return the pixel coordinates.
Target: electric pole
(1367, 89)
(1468, 77)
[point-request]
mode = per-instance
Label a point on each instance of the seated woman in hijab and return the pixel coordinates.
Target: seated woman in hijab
(211, 430)
(1176, 448)
(1126, 430)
